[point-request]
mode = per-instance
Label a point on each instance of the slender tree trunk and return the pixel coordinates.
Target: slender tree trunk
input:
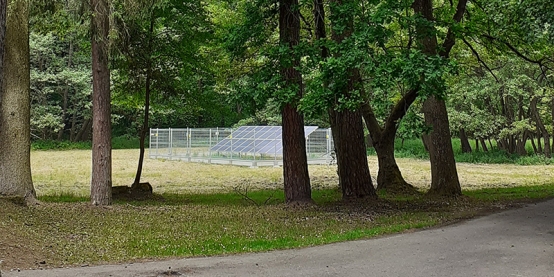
(15, 108)
(484, 144)
(551, 115)
(534, 145)
(101, 183)
(520, 144)
(72, 132)
(84, 133)
(148, 84)
(466, 147)
(295, 162)
(444, 174)
(541, 127)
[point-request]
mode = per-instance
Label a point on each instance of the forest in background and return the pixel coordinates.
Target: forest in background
(212, 61)
(373, 71)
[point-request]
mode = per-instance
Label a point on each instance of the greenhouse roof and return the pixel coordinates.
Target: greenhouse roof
(256, 139)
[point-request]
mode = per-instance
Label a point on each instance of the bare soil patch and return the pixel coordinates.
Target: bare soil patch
(17, 250)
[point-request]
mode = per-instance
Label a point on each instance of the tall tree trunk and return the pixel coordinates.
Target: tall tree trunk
(444, 174)
(348, 136)
(346, 125)
(466, 147)
(15, 108)
(148, 84)
(101, 182)
(295, 162)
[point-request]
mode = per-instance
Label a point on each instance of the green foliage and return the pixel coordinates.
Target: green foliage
(58, 78)
(60, 69)
(59, 145)
(413, 148)
(120, 142)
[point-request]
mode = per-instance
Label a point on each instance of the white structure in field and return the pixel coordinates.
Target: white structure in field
(247, 146)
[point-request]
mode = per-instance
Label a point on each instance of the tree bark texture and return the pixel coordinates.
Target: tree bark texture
(389, 177)
(346, 125)
(295, 162)
(444, 175)
(15, 136)
(101, 182)
(348, 136)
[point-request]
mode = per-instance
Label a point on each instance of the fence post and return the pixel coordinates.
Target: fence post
(231, 161)
(275, 153)
(328, 146)
(210, 149)
(157, 142)
(254, 163)
(170, 142)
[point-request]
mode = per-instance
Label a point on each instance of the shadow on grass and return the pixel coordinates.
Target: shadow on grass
(331, 199)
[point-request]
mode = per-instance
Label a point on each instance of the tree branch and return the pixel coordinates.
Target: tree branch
(400, 109)
(371, 122)
(476, 54)
(450, 38)
(540, 62)
(517, 52)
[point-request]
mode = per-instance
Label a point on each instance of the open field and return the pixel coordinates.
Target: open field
(200, 214)
(57, 172)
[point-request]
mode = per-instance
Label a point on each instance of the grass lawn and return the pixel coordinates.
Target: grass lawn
(198, 211)
(68, 172)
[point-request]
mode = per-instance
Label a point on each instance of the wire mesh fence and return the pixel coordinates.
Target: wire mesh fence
(246, 146)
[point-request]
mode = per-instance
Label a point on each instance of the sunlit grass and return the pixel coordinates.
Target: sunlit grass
(68, 172)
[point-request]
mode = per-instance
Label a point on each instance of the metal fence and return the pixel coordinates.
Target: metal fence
(204, 146)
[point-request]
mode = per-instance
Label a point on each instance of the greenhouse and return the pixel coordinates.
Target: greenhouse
(245, 146)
